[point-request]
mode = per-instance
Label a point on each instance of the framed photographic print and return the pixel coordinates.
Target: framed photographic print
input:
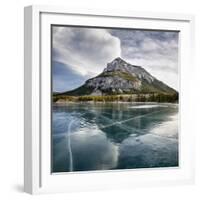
(107, 101)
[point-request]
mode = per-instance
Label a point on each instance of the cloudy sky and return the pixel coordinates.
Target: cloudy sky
(80, 53)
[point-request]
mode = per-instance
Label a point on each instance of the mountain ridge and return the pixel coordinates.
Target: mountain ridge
(121, 77)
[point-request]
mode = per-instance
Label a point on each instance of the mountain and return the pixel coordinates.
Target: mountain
(120, 77)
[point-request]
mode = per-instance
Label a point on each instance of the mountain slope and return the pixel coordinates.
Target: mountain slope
(120, 77)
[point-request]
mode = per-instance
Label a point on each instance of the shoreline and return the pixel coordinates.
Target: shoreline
(110, 102)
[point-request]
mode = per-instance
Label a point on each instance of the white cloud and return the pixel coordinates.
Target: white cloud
(86, 50)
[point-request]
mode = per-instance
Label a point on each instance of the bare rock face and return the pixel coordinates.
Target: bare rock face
(137, 71)
(120, 77)
(114, 83)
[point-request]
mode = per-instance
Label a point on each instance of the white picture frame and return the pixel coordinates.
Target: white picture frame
(37, 139)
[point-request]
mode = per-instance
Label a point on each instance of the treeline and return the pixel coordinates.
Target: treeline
(121, 98)
(158, 98)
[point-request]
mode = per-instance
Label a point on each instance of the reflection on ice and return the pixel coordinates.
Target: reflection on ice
(92, 151)
(168, 128)
(114, 136)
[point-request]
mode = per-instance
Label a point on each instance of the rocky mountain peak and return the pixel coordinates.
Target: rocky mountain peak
(118, 60)
(118, 64)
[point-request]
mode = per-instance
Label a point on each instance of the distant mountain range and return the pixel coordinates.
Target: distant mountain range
(120, 77)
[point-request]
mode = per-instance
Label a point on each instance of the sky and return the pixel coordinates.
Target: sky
(80, 53)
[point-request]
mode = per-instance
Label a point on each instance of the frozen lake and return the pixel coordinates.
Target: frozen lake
(108, 136)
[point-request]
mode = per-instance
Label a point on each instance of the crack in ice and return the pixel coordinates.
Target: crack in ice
(70, 148)
(127, 120)
(71, 160)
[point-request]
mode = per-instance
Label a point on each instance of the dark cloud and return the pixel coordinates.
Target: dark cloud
(147, 44)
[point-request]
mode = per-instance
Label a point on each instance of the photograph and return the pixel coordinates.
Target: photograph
(114, 98)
